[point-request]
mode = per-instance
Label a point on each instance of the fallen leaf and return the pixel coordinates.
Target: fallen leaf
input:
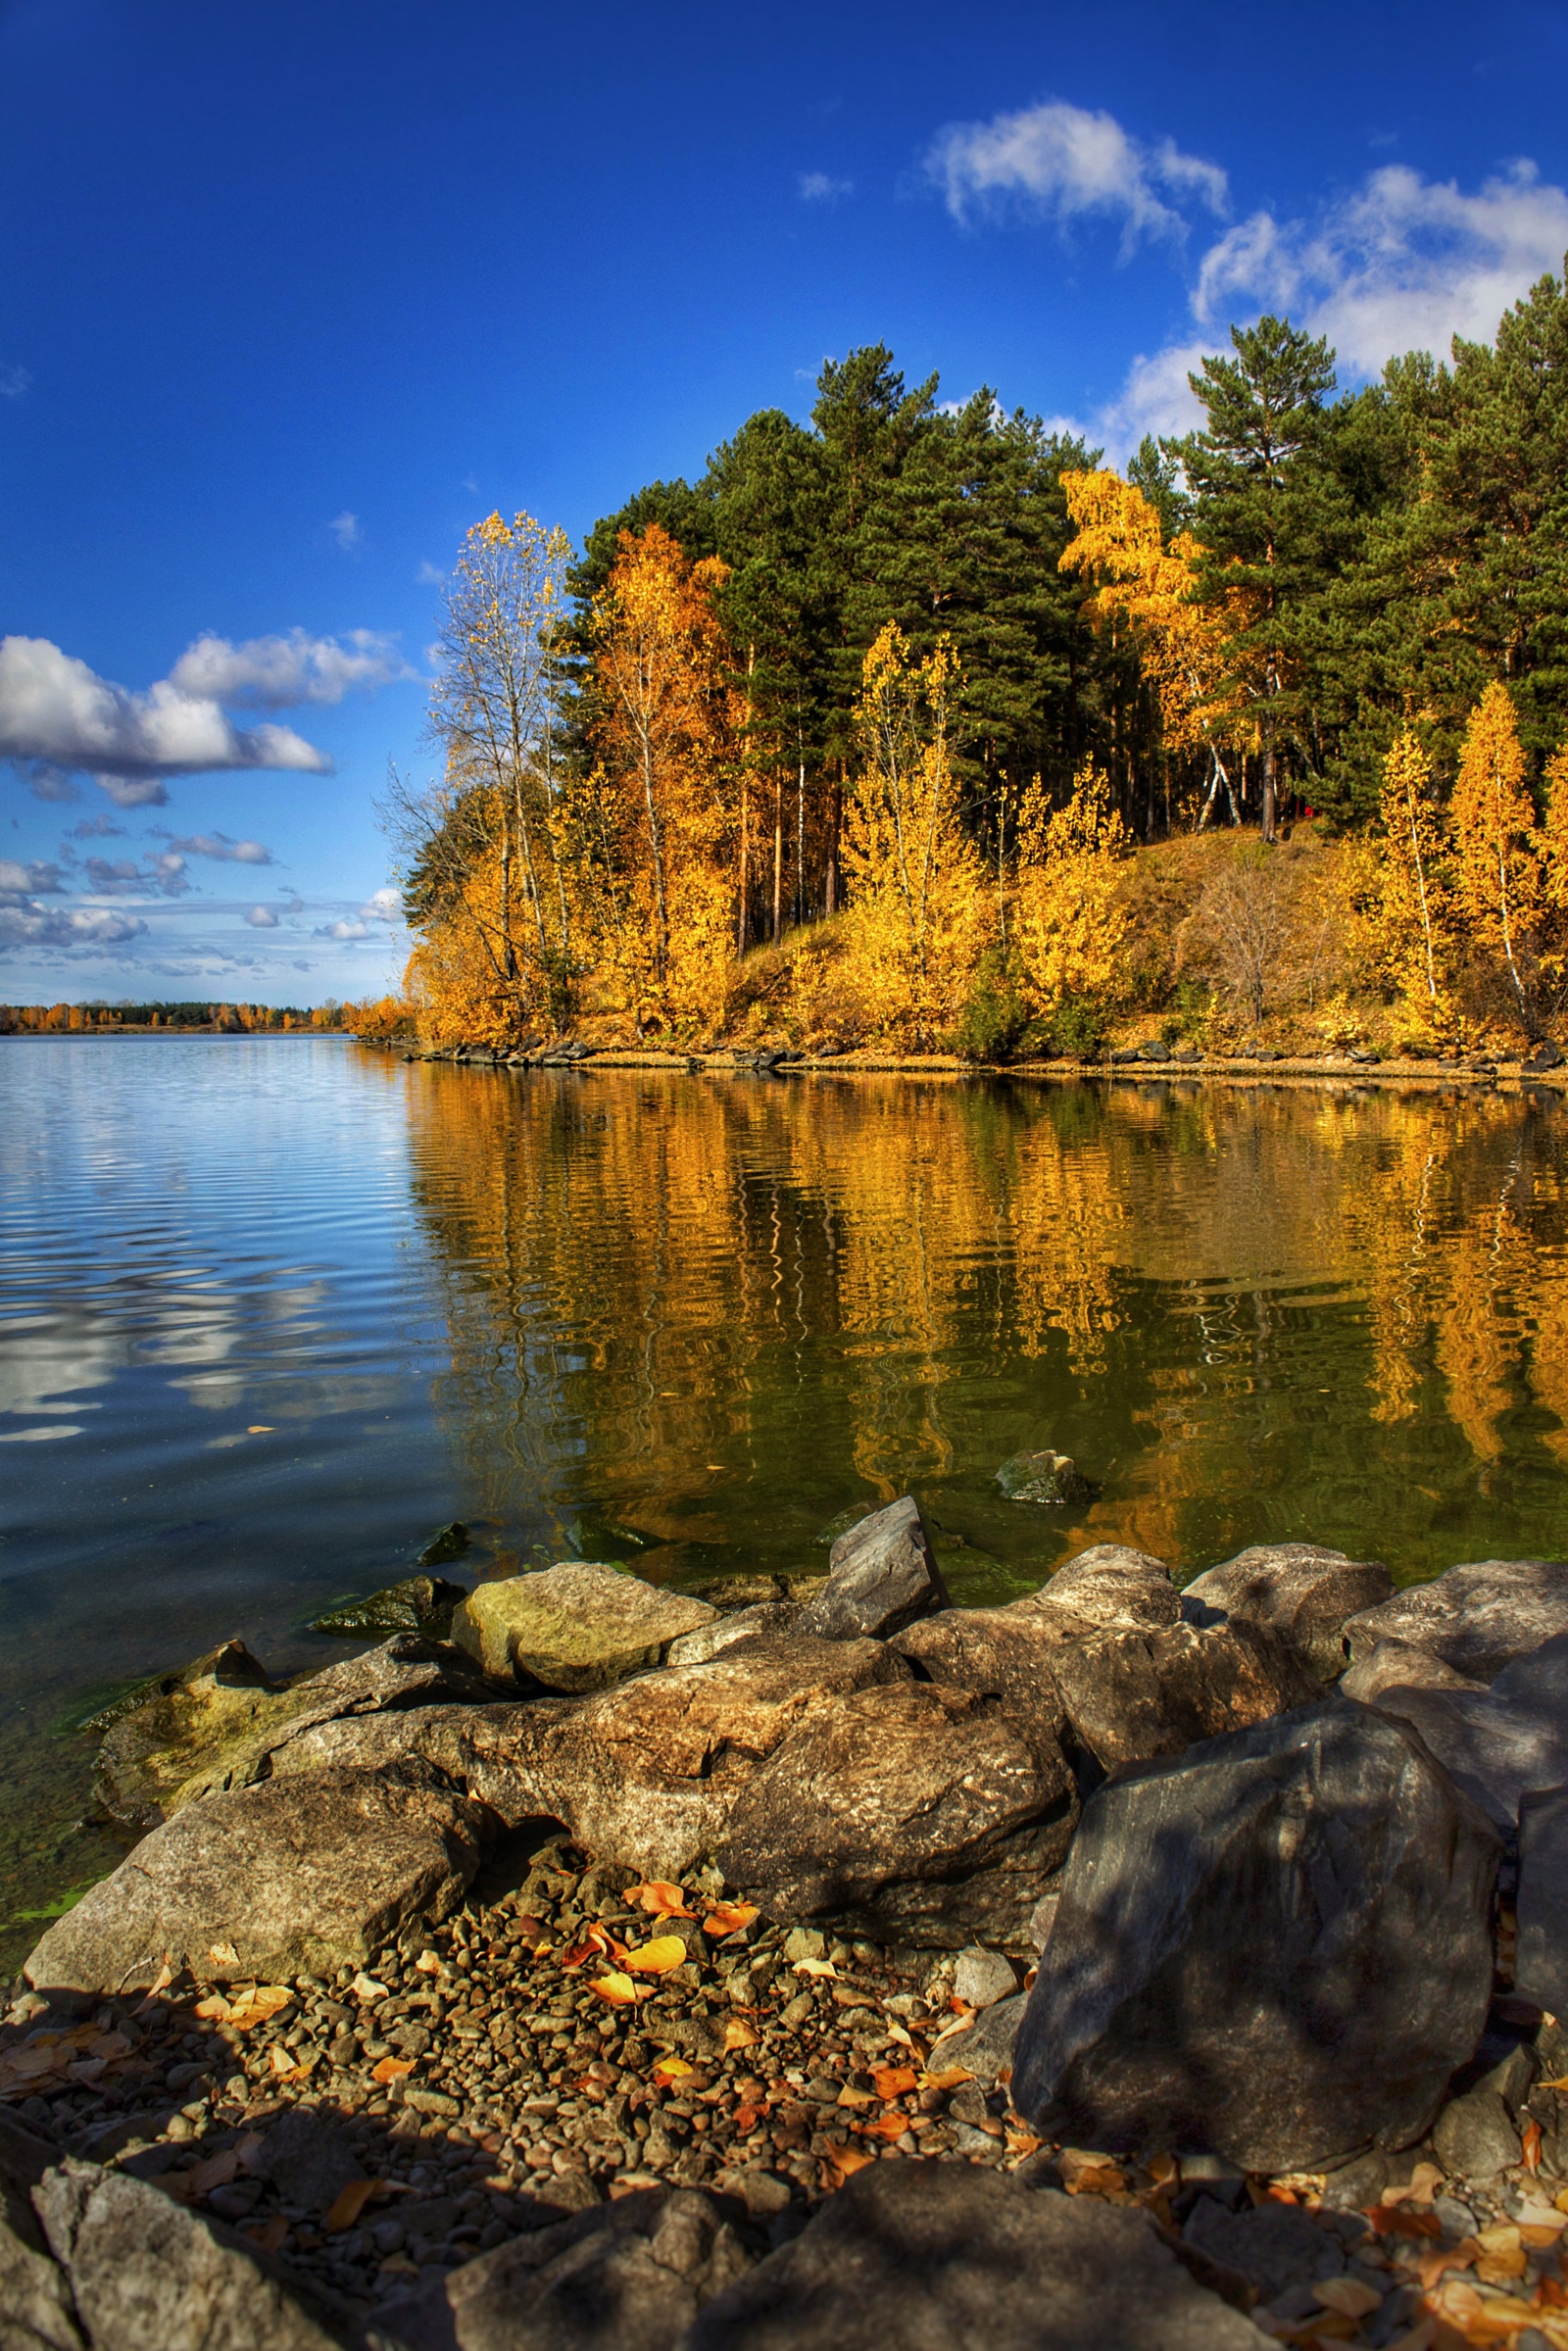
(1102, 2181)
(729, 1918)
(1531, 2147)
(658, 1958)
(217, 2172)
(391, 2069)
(160, 1983)
(596, 1943)
(257, 2003)
(1429, 2266)
(1420, 2189)
(1023, 2142)
(738, 2035)
(281, 2060)
(815, 1967)
(745, 2119)
(348, 2204)
(1561, 2081)
(890, 2126)
(250, 2146)
(262, 1428)
(619, 1990)
(267, 2236)
(660, 1898)
(949, 2078)
(1540, 2234)
(1348, 2296)
(891, 2081)
(671, 2068)
(172, 2183)
(1421, 2336)
(1074, 2162)
(222, 1955)
(851, 2096)
(215, 2009)
(1389, 2219)
(109, 2046)
(847, 2161)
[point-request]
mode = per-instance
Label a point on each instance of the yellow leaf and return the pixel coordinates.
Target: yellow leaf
(947, 2079)
(618, 1989)
(657, 1957)
(348, 2205)
(738, 2035)
(391, 2069)
(671, 2068)
(847, 2161)
(658, 1898)
(215, 2008)
(729, 1918)
(849, 2096)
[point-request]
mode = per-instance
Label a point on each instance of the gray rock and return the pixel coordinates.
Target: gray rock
(631, 2275)
(1358, 2186)
(581, 1625)
(983, 1976)
(419, 1605)
(1276, 1946)
(1108, 1588)
(1476, 1618)
(1132, 1694)
(1541, 1967)
(1274, 2247)
(1399, 1664)
(299, 1874)
(1475, 2137)
(772, 1617)
(36, 2312)
(218, 1726)
(1043, 1917)
(148, 2276)
(1044, 1476)
(914, 2256)
(984, 2047)
(1002, 1653)
(882, 1574)
(1499, 1744)
(1300, 1591)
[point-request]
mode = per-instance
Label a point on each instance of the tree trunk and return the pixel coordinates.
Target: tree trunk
(1266, 730)
(743, 910)
(835, 819)
(779, 858)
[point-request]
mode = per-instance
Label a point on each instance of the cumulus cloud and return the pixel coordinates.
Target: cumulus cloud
(1064, 163)
(32, 880)
(220, 846)
(345, 528)
(124, 877)
(347, 927)
(24, 923)
(58, 717)
(279, 673)
(262, 918)
(382, 906)
(819, 187)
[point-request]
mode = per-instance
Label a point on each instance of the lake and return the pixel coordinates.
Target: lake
(274, 1310)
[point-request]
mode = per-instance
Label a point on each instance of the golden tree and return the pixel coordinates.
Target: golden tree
(1070, 922)
(1497, 873)
(916, 919)
(1412, 917)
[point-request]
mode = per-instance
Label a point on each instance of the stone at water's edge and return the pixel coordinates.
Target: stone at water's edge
(1044, 1476)
(1299, 1589)
(1394, 1664)
(1131, 1695)
(1476, 1618)
(773, 1617)
(581, 1625)
(1501, 1745)
(1110, 1585)
(419, 1605)
(301, 1875)
(881, 1576)
(910, 2256)
(1276, 1946)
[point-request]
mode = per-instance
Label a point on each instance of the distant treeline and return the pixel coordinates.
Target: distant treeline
(123, 1016)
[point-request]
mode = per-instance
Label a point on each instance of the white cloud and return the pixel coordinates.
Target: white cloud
(1065, 162)
(124, 877)
(382, 906)
(819, 187)
(218, 845)
(262, 918)
(345, 528)
(345, 928)
(32, 880)
(279, 673)
(58, 716)
(23, 923)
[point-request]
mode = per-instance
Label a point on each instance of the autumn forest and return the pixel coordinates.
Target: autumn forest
(919, 726)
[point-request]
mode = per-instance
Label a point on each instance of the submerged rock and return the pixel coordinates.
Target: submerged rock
(881, 1576)
(581, 1625)
(449, 1543)
(911, 2255)
(1476, 1618)
(1276, 1946)
(1132, 1694)
(1300, 1591)
(419, 1605)
(1043, 1477)
(304, 1874)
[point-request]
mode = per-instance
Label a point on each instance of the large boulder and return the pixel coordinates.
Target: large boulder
(1394, 1664)
(773, 1617)
(1109, 1586)
(629, 2275)
(1499, 1744)
(36, 2312)
(148, 2276)
(301, 1875)
(1130, 1695)
(216, 1725)
(1300, 1591)
(915, 1812)
(1541, 1963)
(1276, 1946)
(1476, 1618)
(578, 1627)
(910, 2256)
(1004, 1653)
(882, 1574)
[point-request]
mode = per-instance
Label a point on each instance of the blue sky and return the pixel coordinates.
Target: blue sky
(291, 295)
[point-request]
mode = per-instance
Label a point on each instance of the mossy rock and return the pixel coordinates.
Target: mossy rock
(601, 1535)
(1043, 1477)
(442, 1548)
(419, 1605)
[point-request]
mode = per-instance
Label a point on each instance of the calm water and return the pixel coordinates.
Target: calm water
(273, 1310)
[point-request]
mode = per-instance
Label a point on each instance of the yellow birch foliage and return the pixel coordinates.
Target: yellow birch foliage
(1070, 923)
(663, 667)
(916, 920)
(1497, 874)
(1412, 917)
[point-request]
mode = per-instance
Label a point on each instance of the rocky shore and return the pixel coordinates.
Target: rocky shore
(592, 1964)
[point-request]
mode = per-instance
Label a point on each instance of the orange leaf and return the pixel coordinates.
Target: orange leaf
(1390, 2220)
(215, 2009)
(847, 2161)
(671, 2068)
(656, 1958)
(738, 2035)
(728, 1918)
(391, 2069)
(660, 1898)
(745, 2119)
(891, 2081)
(1531, 2147)
(619, 1990)
(348, 2205)
(890, 2126)
(949, 2078)
(267, 2236)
